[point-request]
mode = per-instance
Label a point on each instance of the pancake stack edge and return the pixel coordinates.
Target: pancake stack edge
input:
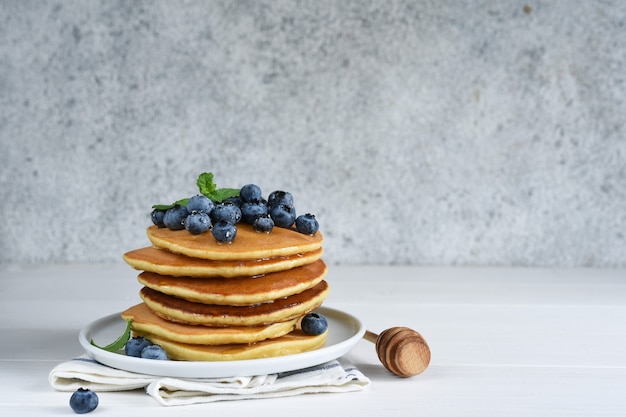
(211, 302)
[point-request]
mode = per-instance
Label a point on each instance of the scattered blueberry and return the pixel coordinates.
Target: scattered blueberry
(226, 211)
(283, 215)
(154, 352)
(135, 345)
(224, 232)
(251, 210)
(174, 218)
(250, 192)
(199, 203)
(198, 222)
(307, 224)
(263, 224)
(83, 401)
(314, 324)
(280, 197)
(157, 217)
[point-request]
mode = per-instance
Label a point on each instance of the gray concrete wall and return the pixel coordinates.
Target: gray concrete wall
(419, 132)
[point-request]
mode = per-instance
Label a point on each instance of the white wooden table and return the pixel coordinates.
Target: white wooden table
(504, 342)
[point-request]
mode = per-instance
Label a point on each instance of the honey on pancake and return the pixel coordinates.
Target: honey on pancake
(144, 321)
(240, 290)
(162, 261)
(183, 311)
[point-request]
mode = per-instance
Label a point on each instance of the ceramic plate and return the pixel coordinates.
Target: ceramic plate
(344, 332)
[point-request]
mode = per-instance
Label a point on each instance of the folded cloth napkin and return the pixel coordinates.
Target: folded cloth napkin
(333, 376)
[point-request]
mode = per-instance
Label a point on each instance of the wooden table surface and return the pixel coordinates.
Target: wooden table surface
(504, 341)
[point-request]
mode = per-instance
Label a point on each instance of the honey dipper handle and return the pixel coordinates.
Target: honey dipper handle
(401, 350)
(370, 336)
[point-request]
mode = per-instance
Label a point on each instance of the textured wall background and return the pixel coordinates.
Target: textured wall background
(419, 132)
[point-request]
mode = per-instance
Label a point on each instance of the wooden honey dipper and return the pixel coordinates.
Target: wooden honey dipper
(401, 350)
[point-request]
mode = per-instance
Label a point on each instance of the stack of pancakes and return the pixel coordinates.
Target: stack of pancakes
(206, 301)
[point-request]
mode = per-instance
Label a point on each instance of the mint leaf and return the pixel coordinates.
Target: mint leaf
(222, 194)
(181, 202)
(208, 188)
(120, 342)
(162, 206)
(205, 183)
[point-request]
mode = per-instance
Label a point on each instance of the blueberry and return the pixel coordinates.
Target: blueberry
(307, 224)
(157, 217)
(226, 211)
(200, 203)
(83, 401)
(234, 200)
(198, 222)
(135, 345)
(251, 210)
(154, 352)
(224, 232)
(283, 215)
(263, 224)
(250, 192)
(314, 324)
(174, 218)
(279, 197)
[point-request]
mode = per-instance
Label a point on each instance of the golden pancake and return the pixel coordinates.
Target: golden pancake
(144, 321)
(164, 262)
(248, 243)
(238, 291)
(292, 343)
(282, 309)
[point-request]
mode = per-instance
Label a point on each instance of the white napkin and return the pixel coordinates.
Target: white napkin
(333, 376)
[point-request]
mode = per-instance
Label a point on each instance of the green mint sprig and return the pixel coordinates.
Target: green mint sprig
(182, 202)
(207, 187)
(119, 343)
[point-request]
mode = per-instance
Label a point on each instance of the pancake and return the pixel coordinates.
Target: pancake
(144, 321)
(238, 291)
(248, 244)
(283, 309)
(164, 262)
(292, 343)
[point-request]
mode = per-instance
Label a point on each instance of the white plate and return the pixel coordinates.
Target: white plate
(344, 332)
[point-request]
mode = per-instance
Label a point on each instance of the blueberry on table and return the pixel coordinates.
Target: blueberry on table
(135, 345)
(198, 222)
(283, 215)
(314, 324)
(83, 401)
(307, 224)
(224, 232)
(154, 352)
(174, 218)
